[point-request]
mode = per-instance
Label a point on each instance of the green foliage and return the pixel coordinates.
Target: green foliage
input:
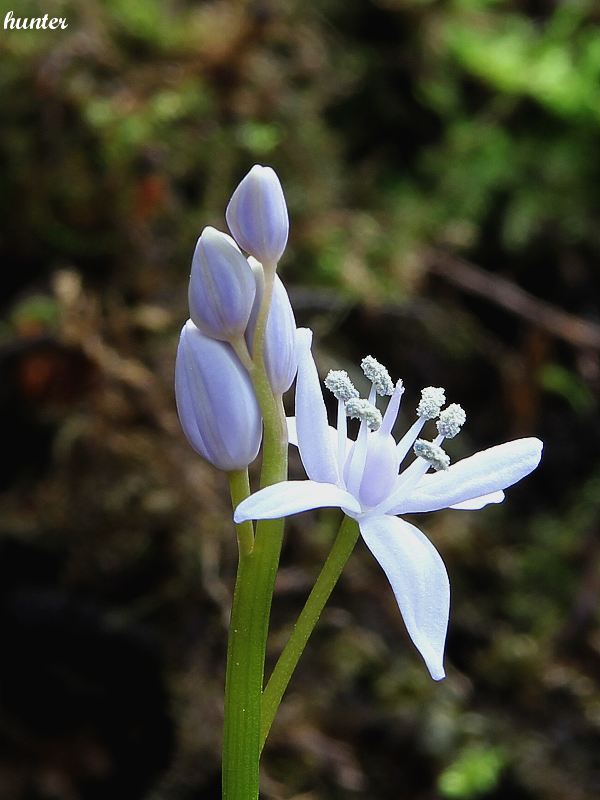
(557, 379)
(474, 772)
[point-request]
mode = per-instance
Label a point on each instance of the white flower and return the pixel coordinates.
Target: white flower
(364, 479)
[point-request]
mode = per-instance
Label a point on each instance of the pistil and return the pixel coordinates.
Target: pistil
(393, 407)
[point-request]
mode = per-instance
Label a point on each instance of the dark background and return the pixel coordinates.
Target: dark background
(441, 162)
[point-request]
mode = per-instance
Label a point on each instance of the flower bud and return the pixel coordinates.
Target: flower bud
(257, 215)
(222, 288)
(281, 361)
(216, 404)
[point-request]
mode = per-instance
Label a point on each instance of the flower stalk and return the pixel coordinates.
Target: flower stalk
(309, 616)
(244, 668)
(253, 595)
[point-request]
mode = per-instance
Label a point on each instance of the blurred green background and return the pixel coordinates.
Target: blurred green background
(441, 162)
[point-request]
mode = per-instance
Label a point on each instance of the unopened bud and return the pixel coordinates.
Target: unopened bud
(216, 404)
(281, 360)
(257, 215)
(222, 289)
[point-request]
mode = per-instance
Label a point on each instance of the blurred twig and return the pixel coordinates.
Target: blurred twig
(471, 278)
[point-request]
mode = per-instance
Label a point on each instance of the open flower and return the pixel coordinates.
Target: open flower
(363, 478)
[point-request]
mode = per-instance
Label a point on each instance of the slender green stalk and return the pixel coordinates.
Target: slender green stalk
(332, 569)
(269, 532)
(239, 489)
(254, 588)
(244, 668)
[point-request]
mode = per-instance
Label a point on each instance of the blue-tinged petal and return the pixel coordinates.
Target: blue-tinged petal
(280, 334)
(222, 287)
(486, 472)
(479, 502)
(293, 434)
(291, 429)
(291, 497)
(316, 450)
(419, 580)
(380, 470)
(257, 215)
(216, 403)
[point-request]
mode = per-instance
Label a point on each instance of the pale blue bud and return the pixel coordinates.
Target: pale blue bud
(222, 287)
(281, 361)
(257, 215)
(216, 404)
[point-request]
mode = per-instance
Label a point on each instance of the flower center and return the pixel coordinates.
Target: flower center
(380, 469)
(369, 469)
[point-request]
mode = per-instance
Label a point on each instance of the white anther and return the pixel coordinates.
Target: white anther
(451, 420)
(364, 411)
(432, 400)
(378, 375)
(338, 382)
(432, 453)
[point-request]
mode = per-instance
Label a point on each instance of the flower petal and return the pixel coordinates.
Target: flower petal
(291, 430)
(291, 497)
(293, 434)
(479, 502)
(316, 449)
(484, 473)
(419, 580)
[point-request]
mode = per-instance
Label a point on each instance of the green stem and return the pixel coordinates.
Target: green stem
(332, 569)
(241, 747)
(239, 489)
(254, 589)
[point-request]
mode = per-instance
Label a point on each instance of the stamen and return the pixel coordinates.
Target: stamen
(342, 433)
(338, 382)
(373, 395)
(391, 412)
(406, 442)
(432, 453)
(451, 421)
(365, 412)
(378, 375)
(432, 400)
